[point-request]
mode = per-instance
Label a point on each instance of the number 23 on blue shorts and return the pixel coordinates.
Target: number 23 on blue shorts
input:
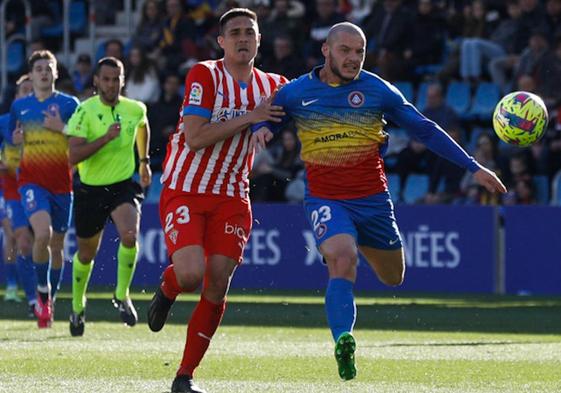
(370, 220)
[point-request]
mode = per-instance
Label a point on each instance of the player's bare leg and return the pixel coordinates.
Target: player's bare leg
(389, 265)
(340, 253)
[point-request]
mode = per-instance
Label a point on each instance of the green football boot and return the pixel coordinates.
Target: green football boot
(345, 355)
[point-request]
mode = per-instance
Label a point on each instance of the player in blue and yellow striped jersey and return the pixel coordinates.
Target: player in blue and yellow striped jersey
(44, 177)
(340, 111)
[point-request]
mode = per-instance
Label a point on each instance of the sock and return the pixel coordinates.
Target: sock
(169, 285)
(42, 270)
(11, 275)
(203, 324)
(126, 263)
(55, 278)
(340, 306)
(80, 277)
(27, 277)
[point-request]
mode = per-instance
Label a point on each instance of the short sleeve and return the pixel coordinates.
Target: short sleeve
(69, 108)
(199, 92)
(78, 124)
(143, 114)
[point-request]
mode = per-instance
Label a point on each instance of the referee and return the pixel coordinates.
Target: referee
(103, 132)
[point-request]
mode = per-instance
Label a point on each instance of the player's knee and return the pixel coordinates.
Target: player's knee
(129, 239)
(189, 279)
(393, 279)
(42, 238)
(217, 287)
(86, 256)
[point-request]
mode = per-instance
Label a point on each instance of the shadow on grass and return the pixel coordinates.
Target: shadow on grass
(448, 314)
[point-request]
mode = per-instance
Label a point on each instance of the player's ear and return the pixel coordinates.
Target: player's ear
(220, 40)
(325, 49)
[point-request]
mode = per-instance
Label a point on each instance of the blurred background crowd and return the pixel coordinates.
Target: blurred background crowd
(452, 59)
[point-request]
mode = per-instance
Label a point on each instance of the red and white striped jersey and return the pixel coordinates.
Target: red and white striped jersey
(222, 168)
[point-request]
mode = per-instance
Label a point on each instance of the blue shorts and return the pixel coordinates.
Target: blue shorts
(370, 220)
(3, 213)
(15, 213)
(59, 206)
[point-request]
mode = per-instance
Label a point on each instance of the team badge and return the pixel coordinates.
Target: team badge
(196, 94)
(356, 99)
(173, 236)
(53, 109)
(321, 230)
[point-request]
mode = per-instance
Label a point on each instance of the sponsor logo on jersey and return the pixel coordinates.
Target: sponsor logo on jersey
(226, 114)
(356, 99)
(334, 137)
(196, 94)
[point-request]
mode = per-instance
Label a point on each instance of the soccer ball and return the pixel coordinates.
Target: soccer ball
(520, 118)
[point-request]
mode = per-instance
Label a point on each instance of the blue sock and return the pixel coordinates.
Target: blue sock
(55, 278)
(27, 277)
(340, 306)
(42, 270)
(11, 275)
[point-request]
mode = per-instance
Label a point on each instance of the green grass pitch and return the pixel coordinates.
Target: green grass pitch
(279, 342)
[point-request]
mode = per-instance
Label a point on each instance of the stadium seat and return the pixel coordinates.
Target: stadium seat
(15, 56)
(475, 133)
(458, 97)
(421, 101)
(394, 185)
(541, 185)
(484, 101)
(416, 187)
(406, 88)
(78, 20)
(399, 138)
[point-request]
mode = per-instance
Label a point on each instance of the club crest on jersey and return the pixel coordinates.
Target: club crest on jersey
(356, 99)
(173, 236)
(321, 230)
(53, 109)
(196, 94)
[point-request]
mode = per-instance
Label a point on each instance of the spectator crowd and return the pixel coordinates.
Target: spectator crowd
(511, 44)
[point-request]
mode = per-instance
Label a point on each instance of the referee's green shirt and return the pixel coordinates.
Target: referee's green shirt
(114, 162)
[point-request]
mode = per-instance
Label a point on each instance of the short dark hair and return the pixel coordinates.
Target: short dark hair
(234, 13)
(110, 62)
(40, 55)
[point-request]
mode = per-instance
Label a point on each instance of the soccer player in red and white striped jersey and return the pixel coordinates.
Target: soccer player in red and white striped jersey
(204, 206)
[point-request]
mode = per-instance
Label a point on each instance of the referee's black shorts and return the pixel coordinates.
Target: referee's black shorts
(93, 204)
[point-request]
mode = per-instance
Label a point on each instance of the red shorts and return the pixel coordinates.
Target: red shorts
(219, 224)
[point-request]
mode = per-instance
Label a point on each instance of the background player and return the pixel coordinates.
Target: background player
(44, 177)
(340, 111)
(20, 243)
(103, 132)
(204, 207)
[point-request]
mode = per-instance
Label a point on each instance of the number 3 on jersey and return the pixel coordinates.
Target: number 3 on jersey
(180, 216)
(319, 218)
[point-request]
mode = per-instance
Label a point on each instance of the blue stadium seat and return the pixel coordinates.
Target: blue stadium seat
(475, 133)
(416, 187)
(421, 101)
(394, 186)
(458, 97)
(484, 101)
(406, 88)
(541, 185)
(78, 20)
(15, 56)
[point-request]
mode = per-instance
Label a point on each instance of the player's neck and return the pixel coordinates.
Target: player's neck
(109, 103)
(240, 72)
(42, 95)
(329, 78)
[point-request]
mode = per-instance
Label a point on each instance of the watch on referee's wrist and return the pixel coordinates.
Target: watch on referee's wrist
(145, 160)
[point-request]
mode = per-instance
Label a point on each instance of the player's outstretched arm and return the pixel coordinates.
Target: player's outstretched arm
(489, 180)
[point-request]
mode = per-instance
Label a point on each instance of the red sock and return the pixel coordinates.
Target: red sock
(203, 324)
(169, 285)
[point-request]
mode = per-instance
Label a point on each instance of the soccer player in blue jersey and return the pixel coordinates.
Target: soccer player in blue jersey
(44, 177)
(20, 240)
(340, 111)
